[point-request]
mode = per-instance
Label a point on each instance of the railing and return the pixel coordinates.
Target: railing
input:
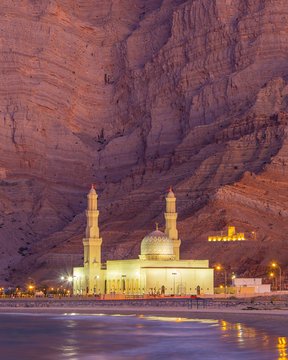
(176, 304)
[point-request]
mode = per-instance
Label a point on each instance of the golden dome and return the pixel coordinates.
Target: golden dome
(157, 244)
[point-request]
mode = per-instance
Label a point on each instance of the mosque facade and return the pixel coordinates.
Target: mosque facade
(158, 270)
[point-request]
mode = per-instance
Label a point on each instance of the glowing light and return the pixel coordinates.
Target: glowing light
(282, 348)
(282, 342)
(30, 287)
(70, 278)
(224, 325)
(231, 236)
(62, 278)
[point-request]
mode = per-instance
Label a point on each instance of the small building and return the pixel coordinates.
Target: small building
(250, 286)
(231, 236)
(158, 270)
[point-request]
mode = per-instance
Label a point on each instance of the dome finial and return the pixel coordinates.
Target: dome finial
(170, 193)
(92, 190)
(156, 226)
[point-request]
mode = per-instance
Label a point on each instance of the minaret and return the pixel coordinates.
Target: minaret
(92, 242)
(170, 219)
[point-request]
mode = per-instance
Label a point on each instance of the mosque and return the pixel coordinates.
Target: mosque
(158, 270)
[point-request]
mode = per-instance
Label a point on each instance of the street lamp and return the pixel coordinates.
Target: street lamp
(272, 276)
(219, 268)
(175, 273)
(275, 265)
(97, 277)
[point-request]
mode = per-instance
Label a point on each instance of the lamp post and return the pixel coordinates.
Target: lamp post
(70, 281)
(273, 278)
(31, 289)
(175, 273)
(219, 268)
(96, 290)
(181, 284)
(275, 265)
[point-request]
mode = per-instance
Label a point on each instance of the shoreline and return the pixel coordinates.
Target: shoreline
(140, 310)
(271, 321)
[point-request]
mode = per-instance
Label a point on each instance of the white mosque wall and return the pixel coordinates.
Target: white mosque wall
(123, 276)
(178, 281)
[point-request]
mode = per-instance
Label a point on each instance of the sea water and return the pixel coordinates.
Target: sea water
(99, 336)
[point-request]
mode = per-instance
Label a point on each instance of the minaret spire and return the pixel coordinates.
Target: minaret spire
(92, 242)
(170, 225)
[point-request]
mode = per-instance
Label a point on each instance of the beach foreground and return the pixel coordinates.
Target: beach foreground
(88, 334)
(261, 314)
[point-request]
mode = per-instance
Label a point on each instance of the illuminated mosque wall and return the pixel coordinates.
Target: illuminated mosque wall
(158, 270)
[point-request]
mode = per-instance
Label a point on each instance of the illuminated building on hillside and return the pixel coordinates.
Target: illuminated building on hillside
(158, 270)
(231, 236)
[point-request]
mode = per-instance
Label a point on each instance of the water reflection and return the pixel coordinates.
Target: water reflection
(240, 330)
(282, 348)
(97, 337)
(251, 337)
(178, 319)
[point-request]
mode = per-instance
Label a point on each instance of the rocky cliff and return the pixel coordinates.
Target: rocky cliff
(135, 96)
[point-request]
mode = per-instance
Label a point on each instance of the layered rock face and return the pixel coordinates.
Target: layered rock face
(135, 96)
